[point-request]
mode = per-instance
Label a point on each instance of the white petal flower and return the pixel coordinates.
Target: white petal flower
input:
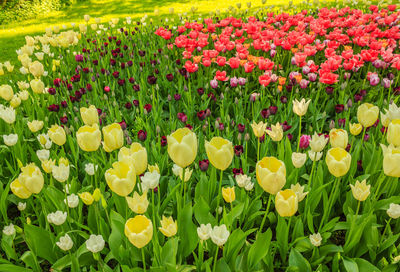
(394, 211)
(95, 243)
(90, 168)
(151, 180)
(299, 191)
(65, 243)
(219, 235)
(9, 230)
(72, 201)
(314, 156)
(57, 218)
(316, 239)
(10, 139)
(21, 206)
(43, 154)
(204, 231)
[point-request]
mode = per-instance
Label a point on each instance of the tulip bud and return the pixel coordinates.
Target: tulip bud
(393, 133)
(360, 190)
(271, 174)
(228, 194)
(298, 159)
(286, 203)
(219, 152)
(89, 138)
(57, 135)
(182, 147)
(367, 114)
(139, 230)
(113, 137)
(338, 138)
(89, 115)
(338, 161)
(355, 129)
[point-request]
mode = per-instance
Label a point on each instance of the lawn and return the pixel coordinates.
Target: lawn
(12, 35)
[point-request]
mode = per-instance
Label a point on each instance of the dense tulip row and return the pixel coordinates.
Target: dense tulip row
(234, 142)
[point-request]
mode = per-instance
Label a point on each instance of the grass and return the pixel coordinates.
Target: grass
(12, 36)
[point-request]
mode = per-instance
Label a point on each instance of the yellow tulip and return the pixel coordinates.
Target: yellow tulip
(286, 203)
(6, 92)
(19, 190)
(385, 120)
(86, 198)
(219, 152)
(271, 174)
(121, 178)
(113, 137)
(367, 114)
(276, 133)
(139, 230)
(228, 194)
(391, 160)
(259, 129)
(36, 68)
(360, 190)
(338, 138)
(35, 125)
(169, 227)
(300, 107)
(393, 133)
(57, 135)
(47, 165)
(182, 147)
(138, 203)
(89, 115)
(89, 138)
(15, 101)
(355, 129)
(136, 155)
(338, 161)
(152, 168)
(31, 177)
(37, 86)
(96, 194)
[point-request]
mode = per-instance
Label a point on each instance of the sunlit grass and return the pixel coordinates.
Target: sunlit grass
(12, 35)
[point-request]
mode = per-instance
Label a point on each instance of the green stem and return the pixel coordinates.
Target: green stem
(266, 213)
(143, 260)
(219, 192)
(330, 201)
(384, 231)
(215, 259)
(298, 141)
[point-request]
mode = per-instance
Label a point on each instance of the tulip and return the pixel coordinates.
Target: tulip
(139, 230)
(57, 135)
(6, 92)
(35, 125)
(360, 190)
(61, 172)
(65, 243)
(89, 138)
(204, 231)
(391, 160)
(276, 133)
(393, 133)
(138, 203)
(113, 137)
(48, 165)
(355, 129)
(393, 211)
(121, 178)
(15, 101)
(31, 177)
(298, 159)
(219, 152)
(338, 138)
(11, 139)
(286, 203)
(89, 115)
(318, 142)
(242, 180)
(316, 239)
(135, 155)
(19, 189)
(300, 107)
(182, 147)
(36, 69)
(90, 168)
(7, 114)
(95, 243)
(367, 114)
(338, 161)
(271, 174)
(229, 194)
(57, 218)
(72, 201)
(219, 235)
(299, 191)
(86, 198)
(37, 86)
(385, 120)
(314, 156)
(169, 227)
(259, 129)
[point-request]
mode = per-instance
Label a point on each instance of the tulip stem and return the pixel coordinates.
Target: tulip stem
(298, 141)
(143, 260)
(380, 181)
(183, 188)
(215, 259)
(330, 201)
(219, 191)
(201, 255)
(266, 213)
(384, 231)
(258, 149)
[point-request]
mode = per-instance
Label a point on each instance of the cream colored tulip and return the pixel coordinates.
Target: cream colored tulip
(298, 159)
(271, 174)
(31, 177)
(338, 161)
(169, 227)
(57, 135)
(276, 133)
(391, 160)
(259, 129)
(286, 203)
(89, 138)
(121, 178)
(136, 155)
(300, 107)
(318, 142)
(36, 69)
(393, 133)
(37, 86)
(113, 137)
(182, 147)
(89, 115)
(6, 92)
(360, 190)
(138, 203)
(219, 152)
(355, 129)
(139, 230)
(367, 114)
(338, 138)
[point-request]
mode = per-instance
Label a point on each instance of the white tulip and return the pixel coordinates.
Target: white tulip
(57, 218)
(95, 243)
(204, 231)
(65, 243)
(219, 235)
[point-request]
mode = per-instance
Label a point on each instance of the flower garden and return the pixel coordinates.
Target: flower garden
(245, 140)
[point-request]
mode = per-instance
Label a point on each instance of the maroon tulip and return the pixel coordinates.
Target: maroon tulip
(339, 108)
(122, 124)
(237, 171)
(265, 113)
(273, 110)
(241, 128)
(142, 135)
(203, 165)
(135, 102)
(128, 105)
(201, 115)
(64, 119)
(238, 150)
(163, 140)
(147, 107)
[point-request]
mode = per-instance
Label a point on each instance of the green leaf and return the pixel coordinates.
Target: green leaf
(349, 264)
(297, 260)
(117, 234)
(202, 212)
(41, 242)
(259, 249)
(187, 230)
(7, 245)
(222, 266)
(13, 268)
(30, 260)
(169, 250)
(364, 265)
(234, 213)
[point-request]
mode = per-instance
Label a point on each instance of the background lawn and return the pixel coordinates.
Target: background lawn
(12, 36)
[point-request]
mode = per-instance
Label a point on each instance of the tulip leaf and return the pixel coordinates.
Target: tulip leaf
(7, 246)
(364, 265)
(259, 249)
(349, 264)
(117, 234)
(30, 260)
(187, 230)
(202, 212)
(41, 242)
(169, 250)
(297, 260)
(13, 268)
